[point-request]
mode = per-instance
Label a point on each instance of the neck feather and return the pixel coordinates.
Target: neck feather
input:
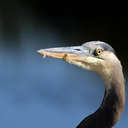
(112, 105)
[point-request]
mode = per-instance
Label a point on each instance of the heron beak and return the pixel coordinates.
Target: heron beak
(78, 55)
(65, 53)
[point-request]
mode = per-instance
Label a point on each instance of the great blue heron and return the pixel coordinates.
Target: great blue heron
(100, 57)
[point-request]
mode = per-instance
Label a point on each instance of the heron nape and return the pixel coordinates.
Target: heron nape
(100, 57)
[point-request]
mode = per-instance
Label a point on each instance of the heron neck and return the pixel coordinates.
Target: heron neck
(114, 98)
(111, 108)
(112, 105)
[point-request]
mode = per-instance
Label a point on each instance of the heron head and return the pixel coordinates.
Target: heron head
(94, 55)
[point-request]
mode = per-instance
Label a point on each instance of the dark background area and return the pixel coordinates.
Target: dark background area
(75, 24)
(51, 93)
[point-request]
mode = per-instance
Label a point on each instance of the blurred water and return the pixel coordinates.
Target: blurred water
(44, 93)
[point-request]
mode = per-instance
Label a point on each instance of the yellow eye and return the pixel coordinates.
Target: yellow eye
(99, 51)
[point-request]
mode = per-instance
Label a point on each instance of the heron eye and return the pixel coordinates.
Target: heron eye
(97, 52)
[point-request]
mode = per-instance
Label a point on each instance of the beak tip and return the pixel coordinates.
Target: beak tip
(39, 51)
(42, 53)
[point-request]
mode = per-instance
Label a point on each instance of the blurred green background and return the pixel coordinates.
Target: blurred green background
(44, 93)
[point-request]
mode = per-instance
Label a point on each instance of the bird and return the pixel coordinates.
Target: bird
(100, 57)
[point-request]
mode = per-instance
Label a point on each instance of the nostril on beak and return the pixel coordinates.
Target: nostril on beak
(77, 49)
